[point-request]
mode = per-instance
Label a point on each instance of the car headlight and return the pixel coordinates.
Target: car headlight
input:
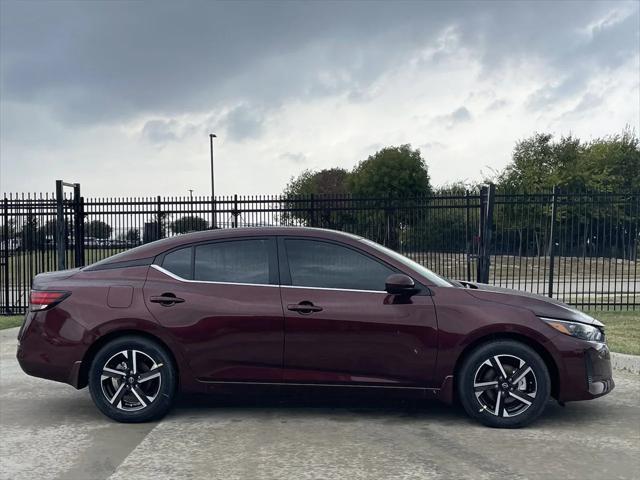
(576, 329)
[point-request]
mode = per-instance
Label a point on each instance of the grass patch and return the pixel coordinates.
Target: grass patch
(622, 330)
(11, 321)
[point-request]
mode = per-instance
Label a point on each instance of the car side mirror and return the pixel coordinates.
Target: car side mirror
(400, 284)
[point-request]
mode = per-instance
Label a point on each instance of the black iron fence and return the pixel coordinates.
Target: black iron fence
(581, 248)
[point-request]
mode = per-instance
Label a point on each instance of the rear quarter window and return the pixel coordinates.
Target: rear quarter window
(178, 262)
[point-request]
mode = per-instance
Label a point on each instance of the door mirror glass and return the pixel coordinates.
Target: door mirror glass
(400, 284)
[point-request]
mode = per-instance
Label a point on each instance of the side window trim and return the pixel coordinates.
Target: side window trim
(186, 280)
(274, 276)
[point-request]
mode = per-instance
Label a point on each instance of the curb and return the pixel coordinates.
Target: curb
(628, 363)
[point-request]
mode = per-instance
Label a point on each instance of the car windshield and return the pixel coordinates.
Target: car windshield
(424, 271)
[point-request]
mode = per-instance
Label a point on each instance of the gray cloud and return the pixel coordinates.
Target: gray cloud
(450, 120)
(461, 114)
(435, 145)
(160, 131)
(296, 158)
(85, 87)
(243, 122)
(588, 102)
(551, 94)
(108, 61)
(497, 105)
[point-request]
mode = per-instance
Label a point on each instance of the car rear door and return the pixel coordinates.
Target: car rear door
(340, 324)
(221, 301)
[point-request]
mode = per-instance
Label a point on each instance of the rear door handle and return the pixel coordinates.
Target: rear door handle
(166, 299)
(304, 307)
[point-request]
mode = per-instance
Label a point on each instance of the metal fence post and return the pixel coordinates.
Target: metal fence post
(159, 233)
(214, 212)
(312, 211)
(82, 231)
(78, 226)
(235, 212)
(488, 245)
(5, 239)
(466, 235)
(481, 230)
(552, 241)
(392, 239)
(60, 247)
(487, 200)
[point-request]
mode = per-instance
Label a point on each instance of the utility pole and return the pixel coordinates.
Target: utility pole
(213, 190)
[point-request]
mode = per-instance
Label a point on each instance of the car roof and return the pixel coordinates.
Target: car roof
(153, 249)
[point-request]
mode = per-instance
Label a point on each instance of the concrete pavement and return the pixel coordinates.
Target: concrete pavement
(51, 431)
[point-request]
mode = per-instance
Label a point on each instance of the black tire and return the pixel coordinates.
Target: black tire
(505, 404)
(130, 396)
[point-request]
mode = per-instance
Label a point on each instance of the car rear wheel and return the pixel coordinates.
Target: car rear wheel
(504, 384)
(132, 379)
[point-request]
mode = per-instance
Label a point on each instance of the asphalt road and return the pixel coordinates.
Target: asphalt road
(51, 431)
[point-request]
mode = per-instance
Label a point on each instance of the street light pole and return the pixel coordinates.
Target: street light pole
(213, 191)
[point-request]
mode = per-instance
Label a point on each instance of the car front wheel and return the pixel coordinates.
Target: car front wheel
(504, 384)
(132, 379)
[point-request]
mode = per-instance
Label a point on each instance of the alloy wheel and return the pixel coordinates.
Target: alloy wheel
(131, 380)
(505, 385)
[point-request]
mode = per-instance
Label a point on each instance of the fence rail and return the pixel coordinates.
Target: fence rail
(579, 247)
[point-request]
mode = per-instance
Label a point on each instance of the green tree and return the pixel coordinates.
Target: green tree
(610, 164)
(97, 229)
(49, 230)
(131, 236)
(311, 196)
(30, 236)
(398, 179)
(331, 181)
(607, 164)
(12, 227)
(365, 201)
(189, 223)
(539, 163)
(399, 172)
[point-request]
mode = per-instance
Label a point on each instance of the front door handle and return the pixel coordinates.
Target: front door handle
(304, 307)
(166, 299)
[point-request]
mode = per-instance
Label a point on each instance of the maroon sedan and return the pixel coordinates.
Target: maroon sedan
(281, 307)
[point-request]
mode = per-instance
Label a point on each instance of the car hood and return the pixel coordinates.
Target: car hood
(538, 304)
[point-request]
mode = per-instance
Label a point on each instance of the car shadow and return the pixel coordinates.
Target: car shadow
(352, 408)
(337, 407)
(342, 407)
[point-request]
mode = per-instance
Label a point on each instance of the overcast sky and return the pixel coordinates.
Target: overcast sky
(121, 96)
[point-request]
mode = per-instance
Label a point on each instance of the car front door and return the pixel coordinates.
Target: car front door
(227, 312)
(340, 324)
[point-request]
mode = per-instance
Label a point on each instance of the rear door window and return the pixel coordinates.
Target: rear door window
(237, 261)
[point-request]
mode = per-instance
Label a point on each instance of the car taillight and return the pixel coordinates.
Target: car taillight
(41, 300)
